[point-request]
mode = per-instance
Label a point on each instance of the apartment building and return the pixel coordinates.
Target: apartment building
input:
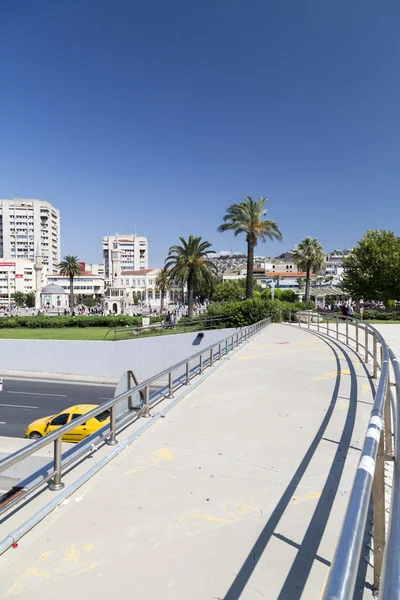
(15, 276)
(134, 254)
(27, 225)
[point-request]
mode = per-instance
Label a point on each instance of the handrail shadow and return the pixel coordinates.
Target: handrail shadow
(293, 586)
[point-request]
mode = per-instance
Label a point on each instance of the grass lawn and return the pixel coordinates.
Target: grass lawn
(85, 333)
(65, 333)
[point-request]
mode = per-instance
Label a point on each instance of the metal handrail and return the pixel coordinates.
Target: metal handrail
(200, 322)
(224, 346)
(370, 475)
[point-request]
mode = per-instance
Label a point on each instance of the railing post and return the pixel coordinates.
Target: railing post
(308, 320)
(57, 484)
(128, 376)
(290, 317)
(366, 345)
(201, 364)
(337, 328)
(347, 332)
(113, 426)
(357, 345)
(375, 357)
(211, 357)
(232, 343)
(146, 410)
(219, 352)
(378, 494)
(170, 385)
(327, 326)
(187, 373)
(317, 321)
(387, 414)
(299, 315)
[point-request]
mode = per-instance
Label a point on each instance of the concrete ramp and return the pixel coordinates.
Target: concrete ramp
(239, 492)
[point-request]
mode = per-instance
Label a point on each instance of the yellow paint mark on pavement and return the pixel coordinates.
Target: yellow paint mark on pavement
(366, 388)
(248, 357)
(209, 518)
(159, 455)
(333, 374)
(49, 564)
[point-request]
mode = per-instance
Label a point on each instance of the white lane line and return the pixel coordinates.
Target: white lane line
(3, 423)
(105, 398)
(38, 394)
(17, 406)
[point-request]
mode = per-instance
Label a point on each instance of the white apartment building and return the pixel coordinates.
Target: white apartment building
(25, 226)
(133, 249)
(85, 285)
(16, 275)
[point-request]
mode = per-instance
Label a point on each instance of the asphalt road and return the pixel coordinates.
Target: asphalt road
(21, 401)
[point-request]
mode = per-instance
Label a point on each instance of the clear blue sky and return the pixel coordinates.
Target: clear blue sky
(160, 114)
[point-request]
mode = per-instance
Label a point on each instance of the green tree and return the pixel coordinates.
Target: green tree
(319, 280)
(278, 279)
(248, 217)
(70, 267)
(163, 283)
(309, 256)
(329, 278)
(372, 270)
(30, 299)
(19, 298)
(189, 263)
(135, 298)
(232, 290)
(204, 290)
(300, 282)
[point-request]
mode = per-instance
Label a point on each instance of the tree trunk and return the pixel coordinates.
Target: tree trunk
(71, 294)
(308, 283)
(190, 295)
(250, 266)
(162, 302)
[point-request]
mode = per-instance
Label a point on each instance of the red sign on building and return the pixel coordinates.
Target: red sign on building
(18, 276)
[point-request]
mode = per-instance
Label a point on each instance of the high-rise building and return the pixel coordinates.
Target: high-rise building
(132, 250)
(28, 225)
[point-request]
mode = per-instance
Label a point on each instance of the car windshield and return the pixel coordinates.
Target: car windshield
(103, 416)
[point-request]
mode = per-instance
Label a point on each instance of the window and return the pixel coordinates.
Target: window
(60, 419)
(76, 415)
(103, 416)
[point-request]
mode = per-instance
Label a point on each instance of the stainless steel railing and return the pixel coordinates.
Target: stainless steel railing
(212, 353)
(370, 475)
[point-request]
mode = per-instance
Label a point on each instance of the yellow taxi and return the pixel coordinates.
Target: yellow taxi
(46, 425)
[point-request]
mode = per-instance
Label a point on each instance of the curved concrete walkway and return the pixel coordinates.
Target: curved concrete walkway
(238, 493)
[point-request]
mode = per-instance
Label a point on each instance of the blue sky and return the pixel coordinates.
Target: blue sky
(158, 115)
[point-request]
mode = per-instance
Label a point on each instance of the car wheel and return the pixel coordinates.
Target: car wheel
(35, 435)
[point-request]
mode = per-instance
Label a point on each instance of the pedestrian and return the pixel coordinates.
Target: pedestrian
(351, 310)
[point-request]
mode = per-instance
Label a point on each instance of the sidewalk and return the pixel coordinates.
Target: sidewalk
(239, 492)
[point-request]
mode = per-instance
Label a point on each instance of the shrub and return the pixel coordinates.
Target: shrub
(46, 322)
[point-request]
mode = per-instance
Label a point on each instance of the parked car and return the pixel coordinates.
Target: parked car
(46, 425)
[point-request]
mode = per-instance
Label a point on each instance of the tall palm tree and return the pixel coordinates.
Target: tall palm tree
(189, 263)
(309, 256)
(278, 279)
(163, 283)
(248, 217)
(70, 267)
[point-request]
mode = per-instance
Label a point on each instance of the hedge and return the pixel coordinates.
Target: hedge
(250, 311)
(377, 315)
(46, 322)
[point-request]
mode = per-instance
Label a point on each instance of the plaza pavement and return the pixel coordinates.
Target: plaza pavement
(239, 492)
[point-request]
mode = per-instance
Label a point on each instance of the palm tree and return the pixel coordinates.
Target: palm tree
(278, 279)
(70, 267)
(163, 283)
(319, 280)
(309, 256)
(248, 217)
(190, 264)
(329, 278)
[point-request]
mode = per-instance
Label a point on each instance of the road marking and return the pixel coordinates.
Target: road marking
(39, 394)
(105, 398)
(333, 374)
(17, 406)
(3, 423)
